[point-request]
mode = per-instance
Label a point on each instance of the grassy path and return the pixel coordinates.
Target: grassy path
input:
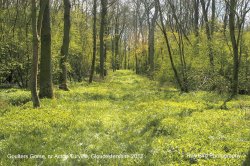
(125, 115)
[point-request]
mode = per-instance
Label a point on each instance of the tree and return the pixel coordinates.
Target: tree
(209, 31)
(35, 98)
(236, 27)
(104, 10)
(196, 17)
(151, 38)
(136, 34)
(118, 21)
(94, 42)
(233, 5)
(213, 17)
(65, 46)
(179, 33)
(36, 30)
(46, 86)
(164, 31)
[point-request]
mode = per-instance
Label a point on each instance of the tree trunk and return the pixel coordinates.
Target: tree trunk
(151, 39)
(125, 54)
(233, 4)
(196, 17)
(46, 86)
(65, 47)
(225, 20)
(213, 17)
(208, 33)
(104, 4)
(34, 72)
(116, 45)
(163, 29)
(36, 31)
(94, 42)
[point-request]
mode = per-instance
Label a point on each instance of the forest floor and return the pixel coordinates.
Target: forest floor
(125, 120)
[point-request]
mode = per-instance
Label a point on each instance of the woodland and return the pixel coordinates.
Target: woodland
(124, 82)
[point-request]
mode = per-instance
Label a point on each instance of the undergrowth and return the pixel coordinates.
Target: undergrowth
(125, 114)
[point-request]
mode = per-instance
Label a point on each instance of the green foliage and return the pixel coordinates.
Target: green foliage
(15, 46)
(199, 72)
(15, 96)
(126, 114)
(79, 59)
(14, 64)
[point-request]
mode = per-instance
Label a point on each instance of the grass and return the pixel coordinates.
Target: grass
(125, 114)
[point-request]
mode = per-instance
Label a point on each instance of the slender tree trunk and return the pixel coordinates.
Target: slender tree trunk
(225, 20)
(104, 4)
(181, 46)
(33, 79)
(46, 86)
(213, 17)
(196, 17)
(137, 69)
(116, 45)
(94, 42)
(196, 26)
(117, 39)
(113, 53)
(183, 61)
(208, 33)
(184, 66)
(36, 31)
(128, 61)
(233, 4)
(151, 40)
(235, 82)
(125, 54)
(163, 29)
(105, 60)
(65, 46)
